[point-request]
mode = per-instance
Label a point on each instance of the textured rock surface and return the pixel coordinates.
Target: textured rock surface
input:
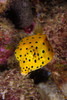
(14, 86)
(50, 91)
(6, 35)
(4, 5)
(20, 13)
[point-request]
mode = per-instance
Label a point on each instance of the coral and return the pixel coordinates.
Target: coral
(4, 5)
(6, 35)
(14, 86)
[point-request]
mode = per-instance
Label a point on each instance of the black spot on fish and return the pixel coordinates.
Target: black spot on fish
(31, 46)
(36, 42)
(23, 61)
(33, 50)
(37, 54)
(43, 43)
(38, 58)
(23, 67)
(29, 59)
(23, 43)
(26, 58)
(34, 54)
(26, 48)
(41, 57)
(42, 62)
(15, 52)
(37, 66)
(20, 55)
(36, 47)
(46, 39)
(32, 37)
(39, 37)
(26, 67)
(40, 65)
(20, 48)
(48, 49)
(31, 66)
(29, 42)
(35, 61)
(25, 55)
(48, 58)
(43, 51)
(30, 50)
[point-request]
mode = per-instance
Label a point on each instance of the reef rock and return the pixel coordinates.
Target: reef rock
(14, 86)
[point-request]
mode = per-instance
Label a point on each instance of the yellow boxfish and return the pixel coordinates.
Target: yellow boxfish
(33, 52)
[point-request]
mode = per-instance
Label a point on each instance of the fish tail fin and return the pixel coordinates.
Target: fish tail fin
(38, 29)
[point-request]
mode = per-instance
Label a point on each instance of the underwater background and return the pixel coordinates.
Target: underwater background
(20, 20)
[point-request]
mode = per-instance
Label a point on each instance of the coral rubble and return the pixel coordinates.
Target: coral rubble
(14, 86)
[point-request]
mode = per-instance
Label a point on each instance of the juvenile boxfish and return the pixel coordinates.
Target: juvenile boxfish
(33, 52)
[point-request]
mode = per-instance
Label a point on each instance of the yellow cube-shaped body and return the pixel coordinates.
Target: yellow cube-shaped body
(33, 52)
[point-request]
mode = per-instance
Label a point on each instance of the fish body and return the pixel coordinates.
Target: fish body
(33, 52)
